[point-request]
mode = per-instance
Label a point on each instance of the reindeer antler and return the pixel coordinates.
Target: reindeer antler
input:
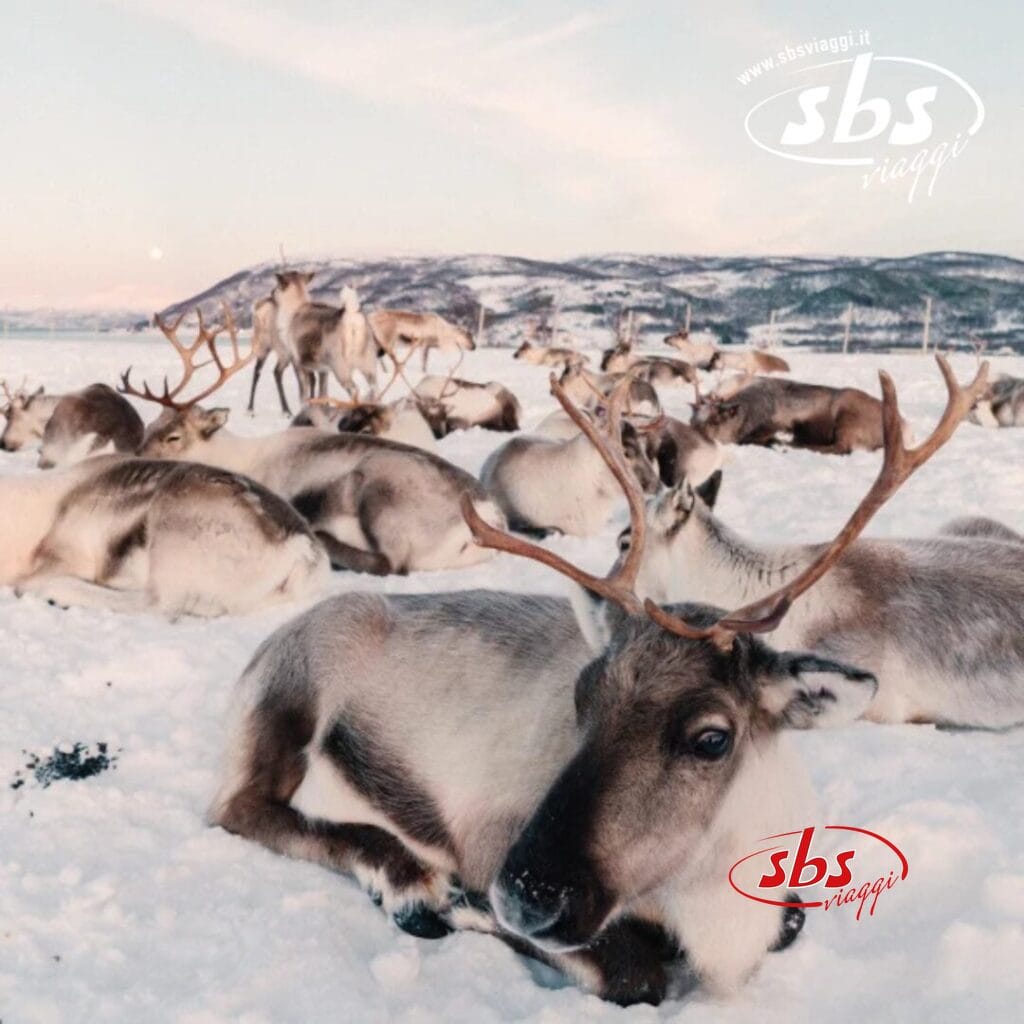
(619, 584)
(898, 463)
(206, 336)
(764, 615)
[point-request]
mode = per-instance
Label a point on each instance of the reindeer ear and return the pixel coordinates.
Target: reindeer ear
(807, 692)
(708, 491)
(213, 420)
(308, 276)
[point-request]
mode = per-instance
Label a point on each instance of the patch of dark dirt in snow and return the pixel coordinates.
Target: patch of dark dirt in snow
(68, 761)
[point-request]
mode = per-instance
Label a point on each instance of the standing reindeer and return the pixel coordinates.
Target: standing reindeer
(316, 335)
(393, 328)
(266, 339)
(378, 506)
(574, 778)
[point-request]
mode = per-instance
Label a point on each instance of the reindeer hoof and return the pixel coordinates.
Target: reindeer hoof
(420, 920)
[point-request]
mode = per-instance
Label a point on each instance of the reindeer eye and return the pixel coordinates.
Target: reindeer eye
(624, 540)
(712, 744)
(173, 439)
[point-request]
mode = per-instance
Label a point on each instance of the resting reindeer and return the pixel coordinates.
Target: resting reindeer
(653, 369)
(134, 535)
(587, 390)
(593, 773)
(93, 421)
(27, 415)
(404, 420)
(748, 361)
(394, 328)
(682, 452)
(939, 620)
(1002, 405)
(451, 403)
(768, 412)
(545, 485)
(377, 506)
(542, 355)
(319, 339)
(266, 339)
(697, 352)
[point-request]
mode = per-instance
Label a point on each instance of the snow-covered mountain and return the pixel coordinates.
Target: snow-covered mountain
(972, 295)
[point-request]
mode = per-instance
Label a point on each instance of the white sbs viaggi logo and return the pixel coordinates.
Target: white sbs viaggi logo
(896, 119)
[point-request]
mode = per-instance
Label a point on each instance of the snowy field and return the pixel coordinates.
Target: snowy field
(117, 904)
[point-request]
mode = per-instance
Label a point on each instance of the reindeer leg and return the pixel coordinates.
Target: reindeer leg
(426, 356)
(279, 381)
(322, 379)
(257, 369)
(257, 807)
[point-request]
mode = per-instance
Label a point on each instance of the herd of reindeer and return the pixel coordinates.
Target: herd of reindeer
(571, 775)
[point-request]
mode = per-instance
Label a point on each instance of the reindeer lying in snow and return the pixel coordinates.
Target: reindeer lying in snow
(587, 390)
(543, 355)
(93, 421)
(593, 776)
(653, 369)
(1002, 405)
(377, 506)
(939, 620)
(27, 415)
(682, 452)
(71, 427)
(545, 485)
(748, 361)
(768, 412)
(451, 403)
(134, 535)
(697, 352)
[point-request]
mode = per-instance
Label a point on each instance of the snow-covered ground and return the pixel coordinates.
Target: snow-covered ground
(117, 903)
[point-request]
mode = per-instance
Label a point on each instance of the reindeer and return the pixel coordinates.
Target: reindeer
(653, 369)
(545, 485)
(93, 421)
(451, 403)
(748, 361)
(574, 777)
(377, 506)
(392, 328)
(27, 415)
(266, 338)
(891, 606)
(405, 420)
(1002, 405)
(769, 412)
(541, 355)
(132, 535)
(319, 339)
(682, 452)
(697, 353)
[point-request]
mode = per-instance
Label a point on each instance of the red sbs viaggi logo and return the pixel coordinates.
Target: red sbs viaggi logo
(776, 874)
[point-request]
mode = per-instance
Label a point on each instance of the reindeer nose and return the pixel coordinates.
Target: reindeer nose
(529, 911)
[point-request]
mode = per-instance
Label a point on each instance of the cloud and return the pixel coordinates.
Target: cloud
(524, 91)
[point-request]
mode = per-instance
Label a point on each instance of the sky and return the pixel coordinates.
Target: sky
(149, 148)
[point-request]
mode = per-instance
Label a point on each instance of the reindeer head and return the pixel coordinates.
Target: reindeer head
(183, 423)
(719, 420)
(26, 418)
(679, 703)
(292, 288)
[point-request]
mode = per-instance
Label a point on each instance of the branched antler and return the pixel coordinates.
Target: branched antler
(764, 615)
(206, 336)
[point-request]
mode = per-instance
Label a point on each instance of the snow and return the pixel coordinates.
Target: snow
(117, 903)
